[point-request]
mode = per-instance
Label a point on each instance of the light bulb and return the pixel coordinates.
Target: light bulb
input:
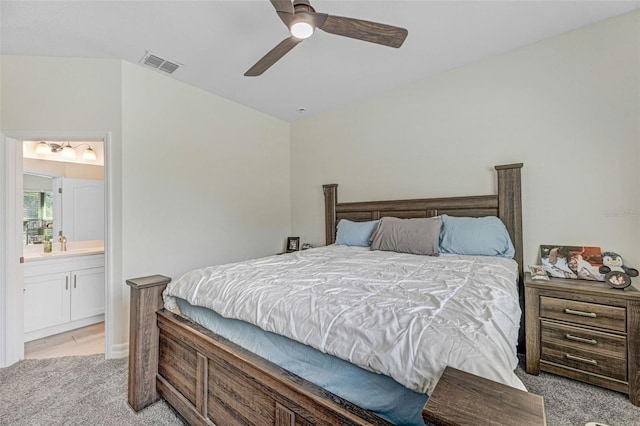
(302, 30)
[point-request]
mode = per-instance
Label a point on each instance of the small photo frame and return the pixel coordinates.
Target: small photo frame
(538, 273)
(617, 279)
(293, 244)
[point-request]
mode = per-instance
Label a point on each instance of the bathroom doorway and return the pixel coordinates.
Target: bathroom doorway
(63, 248)
(12, 310)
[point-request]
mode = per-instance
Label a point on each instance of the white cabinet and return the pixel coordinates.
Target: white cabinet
(62, 294)
(87, 293)
(79, 209)
(46, 301)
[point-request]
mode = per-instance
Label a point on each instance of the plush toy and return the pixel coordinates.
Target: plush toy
(617, 274)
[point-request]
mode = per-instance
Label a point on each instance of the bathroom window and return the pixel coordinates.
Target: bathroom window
(37, 217)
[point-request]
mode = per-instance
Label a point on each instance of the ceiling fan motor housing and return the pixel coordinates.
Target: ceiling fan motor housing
(302, 6)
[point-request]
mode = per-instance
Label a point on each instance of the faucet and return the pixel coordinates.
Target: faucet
(63, 242)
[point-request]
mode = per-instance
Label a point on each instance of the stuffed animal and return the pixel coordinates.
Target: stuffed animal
(617, 274)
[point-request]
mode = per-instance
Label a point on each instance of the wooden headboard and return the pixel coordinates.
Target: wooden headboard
(506, 204)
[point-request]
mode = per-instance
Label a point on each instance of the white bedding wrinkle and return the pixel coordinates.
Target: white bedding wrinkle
(402, 315)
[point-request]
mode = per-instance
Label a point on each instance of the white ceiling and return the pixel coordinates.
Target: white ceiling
(217, 41)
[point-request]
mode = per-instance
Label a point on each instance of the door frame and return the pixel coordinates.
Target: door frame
(11, 276)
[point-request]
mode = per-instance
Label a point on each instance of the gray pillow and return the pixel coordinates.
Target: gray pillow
(414, 236)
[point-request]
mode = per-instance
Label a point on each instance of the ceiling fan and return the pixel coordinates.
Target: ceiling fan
(301, 19)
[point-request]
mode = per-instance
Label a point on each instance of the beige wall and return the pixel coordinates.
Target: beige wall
(568, 107)
(68, 170)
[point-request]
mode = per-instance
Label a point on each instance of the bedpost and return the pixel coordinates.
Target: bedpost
(146, 299)
(330, 200)
(510, 211)
(510, 206)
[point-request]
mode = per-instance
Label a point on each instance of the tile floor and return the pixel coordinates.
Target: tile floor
(82, 341)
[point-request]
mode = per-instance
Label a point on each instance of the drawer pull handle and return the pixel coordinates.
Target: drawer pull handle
(577, 358)
(581, 339)
(580, 313)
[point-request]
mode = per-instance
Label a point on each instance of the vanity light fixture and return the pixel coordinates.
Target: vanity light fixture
(65, 149)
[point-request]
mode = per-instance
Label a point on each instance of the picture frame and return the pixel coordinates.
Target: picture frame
(293, 244)
(538, 273)
(616, 279)
(573, 262)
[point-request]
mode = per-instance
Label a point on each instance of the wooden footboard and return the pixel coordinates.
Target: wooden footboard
(210, 380)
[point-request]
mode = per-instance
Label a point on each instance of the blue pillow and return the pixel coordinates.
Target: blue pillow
(485, 236)
(355, 233)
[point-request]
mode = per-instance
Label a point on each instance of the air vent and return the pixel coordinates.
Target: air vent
(168, 67)
(154, 61)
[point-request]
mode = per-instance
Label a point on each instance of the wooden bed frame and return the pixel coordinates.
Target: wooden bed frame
(209, 380)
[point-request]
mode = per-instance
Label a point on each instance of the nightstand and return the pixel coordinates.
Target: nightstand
(586, 331)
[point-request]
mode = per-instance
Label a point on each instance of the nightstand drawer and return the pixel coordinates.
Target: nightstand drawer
(582, 339)
(591, 314)
(592, 362)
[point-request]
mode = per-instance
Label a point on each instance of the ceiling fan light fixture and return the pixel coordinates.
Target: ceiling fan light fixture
(302, 20)
(302, 30)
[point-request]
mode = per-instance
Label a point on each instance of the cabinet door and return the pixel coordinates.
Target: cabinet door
(82, 209)
(46, 301)
(87, 293)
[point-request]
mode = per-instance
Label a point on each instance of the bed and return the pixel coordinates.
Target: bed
(209, 379)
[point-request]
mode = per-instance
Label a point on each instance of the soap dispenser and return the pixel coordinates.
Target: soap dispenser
(48, 245)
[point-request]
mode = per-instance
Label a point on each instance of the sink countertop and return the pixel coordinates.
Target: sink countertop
(74, 248)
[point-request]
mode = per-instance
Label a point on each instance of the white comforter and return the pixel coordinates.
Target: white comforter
(402, 315)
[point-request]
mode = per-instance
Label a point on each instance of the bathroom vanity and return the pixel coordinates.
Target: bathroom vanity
(63, 290)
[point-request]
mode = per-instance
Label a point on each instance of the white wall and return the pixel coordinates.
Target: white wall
(195, 179)
(206, 179)
(568, 107)
(56, 96)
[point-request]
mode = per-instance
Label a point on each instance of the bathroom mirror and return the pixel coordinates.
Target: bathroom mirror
(38, 207)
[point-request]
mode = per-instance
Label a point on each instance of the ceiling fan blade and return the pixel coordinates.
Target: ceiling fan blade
(318, 19)
(284, 9)
(286, 17)
(373, 32)
(283, 6)
(273, 56)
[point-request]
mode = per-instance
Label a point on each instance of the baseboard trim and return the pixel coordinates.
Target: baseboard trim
(119, 351)
(62, 328)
